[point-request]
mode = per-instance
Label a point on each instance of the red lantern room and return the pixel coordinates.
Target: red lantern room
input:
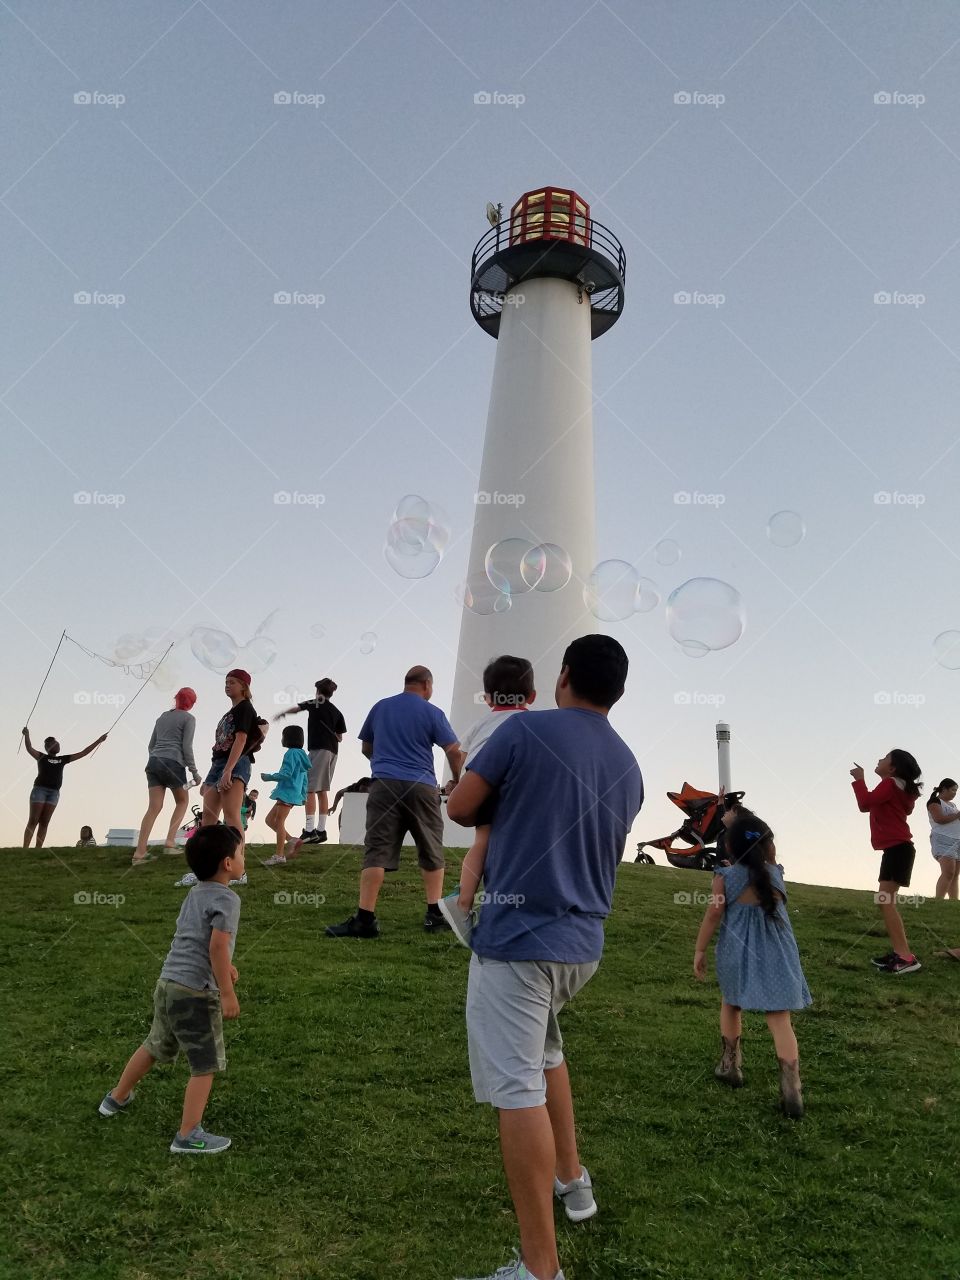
(549, 233)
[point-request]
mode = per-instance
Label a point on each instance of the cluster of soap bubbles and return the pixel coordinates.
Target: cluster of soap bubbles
(417, 537)
(513, 567)
(616, 590)
(218, 651)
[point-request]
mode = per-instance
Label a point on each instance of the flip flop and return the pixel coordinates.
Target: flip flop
(138, 862)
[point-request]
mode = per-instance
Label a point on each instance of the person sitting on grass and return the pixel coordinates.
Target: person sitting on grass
(507, 689)
(195, 990)
(291, 790)
(758, 964)
(86, 840)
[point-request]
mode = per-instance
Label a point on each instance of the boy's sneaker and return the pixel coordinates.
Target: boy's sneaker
(515, 1270)
(576, 1197)
(902, 964)
(199, 1143)
(460, 921)
(435, 923)
(353, 928)
(882, 961)
(111, 1107)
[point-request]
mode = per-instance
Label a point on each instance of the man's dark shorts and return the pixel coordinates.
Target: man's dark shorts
(395, 807)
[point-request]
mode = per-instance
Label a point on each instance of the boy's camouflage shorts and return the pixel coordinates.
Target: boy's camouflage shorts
(188, 1020)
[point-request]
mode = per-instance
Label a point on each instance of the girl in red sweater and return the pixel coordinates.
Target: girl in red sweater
(889, 805)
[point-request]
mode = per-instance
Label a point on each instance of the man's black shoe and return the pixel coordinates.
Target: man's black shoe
(321, 837)
(354, 928)
(435, 923)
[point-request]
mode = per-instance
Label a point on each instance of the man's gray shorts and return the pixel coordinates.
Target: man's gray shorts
(395, 807)
(322, 765)
(512, 1031)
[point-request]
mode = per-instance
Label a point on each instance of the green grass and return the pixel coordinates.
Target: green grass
(358, 1150)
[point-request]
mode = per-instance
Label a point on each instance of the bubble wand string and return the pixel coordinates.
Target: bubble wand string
(126, 708)
(37, 698)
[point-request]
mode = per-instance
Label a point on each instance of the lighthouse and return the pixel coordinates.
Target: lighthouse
(545, 281)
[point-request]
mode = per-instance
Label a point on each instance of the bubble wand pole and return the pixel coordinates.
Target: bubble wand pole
(37, 698)
(128, 705)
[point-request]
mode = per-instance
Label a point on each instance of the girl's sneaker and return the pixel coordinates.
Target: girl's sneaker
(902, 964)
(516, 1270)
(277, 860)
(576, 1197)
(881, 962)
(111, 1107)
(199, 1143)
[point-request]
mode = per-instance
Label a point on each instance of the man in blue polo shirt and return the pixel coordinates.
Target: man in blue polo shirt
(398, 737)
(567, 791)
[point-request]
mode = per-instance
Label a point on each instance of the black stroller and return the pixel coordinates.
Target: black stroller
(701, 827)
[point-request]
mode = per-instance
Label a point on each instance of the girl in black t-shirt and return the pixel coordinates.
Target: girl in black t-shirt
(237, 738)
(45, 795)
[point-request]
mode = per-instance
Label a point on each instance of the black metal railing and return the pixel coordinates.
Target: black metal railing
(594, 235)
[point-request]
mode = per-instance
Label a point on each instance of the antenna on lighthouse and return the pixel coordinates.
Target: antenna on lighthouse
(493, 213)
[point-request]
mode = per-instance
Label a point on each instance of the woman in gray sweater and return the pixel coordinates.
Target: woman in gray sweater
(171, 754)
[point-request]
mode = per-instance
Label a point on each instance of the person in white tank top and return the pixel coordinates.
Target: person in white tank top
(945, 836)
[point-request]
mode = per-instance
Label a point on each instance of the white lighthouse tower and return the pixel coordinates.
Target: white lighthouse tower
(544, 282)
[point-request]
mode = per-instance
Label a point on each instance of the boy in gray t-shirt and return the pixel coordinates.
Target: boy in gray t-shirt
(195, 989)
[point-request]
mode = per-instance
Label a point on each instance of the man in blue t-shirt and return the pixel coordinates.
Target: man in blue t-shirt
(567, 791)
(398, 737)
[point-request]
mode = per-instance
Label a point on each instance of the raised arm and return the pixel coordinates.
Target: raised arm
(78, 755)
(867, 800)
(26, 742)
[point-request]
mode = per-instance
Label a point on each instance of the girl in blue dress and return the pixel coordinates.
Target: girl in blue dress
(291, 789)
(758, 964)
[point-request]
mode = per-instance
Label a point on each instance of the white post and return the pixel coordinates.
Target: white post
(723, 755)
(536, 482)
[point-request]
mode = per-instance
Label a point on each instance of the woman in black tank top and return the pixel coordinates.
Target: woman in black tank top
(46, 788)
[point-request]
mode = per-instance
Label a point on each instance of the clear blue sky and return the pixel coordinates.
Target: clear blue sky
(798, 197)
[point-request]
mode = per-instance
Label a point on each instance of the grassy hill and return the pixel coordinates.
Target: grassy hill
(358, 1150)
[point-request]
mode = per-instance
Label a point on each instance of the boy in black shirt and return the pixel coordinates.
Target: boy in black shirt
(325, 729)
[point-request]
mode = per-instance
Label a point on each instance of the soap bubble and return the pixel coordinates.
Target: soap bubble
(946, 648)
(667, 551)
(647, 596)
(546, 567)
(786, 528)
(318, 631)
(611, 590)
(503, 565)
(216, 650)
(417, 537)
(256, 656)
(479, 595)
(129, 646)
(705, 614)
(169, 675)
(368, 641)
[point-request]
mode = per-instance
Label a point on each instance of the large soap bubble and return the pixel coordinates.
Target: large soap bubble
(216, 650)
(786, 528)
(546, 567)
(479, 595)
(705, 614)
(611, 590)
(946, 649)
(504, 564)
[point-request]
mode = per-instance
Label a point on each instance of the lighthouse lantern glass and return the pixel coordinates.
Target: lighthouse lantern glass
(551, 213)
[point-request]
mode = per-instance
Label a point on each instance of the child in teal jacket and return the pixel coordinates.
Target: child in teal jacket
(291, 789)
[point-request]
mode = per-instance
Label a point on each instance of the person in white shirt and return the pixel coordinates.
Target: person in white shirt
(507, 691)
(945, 836)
